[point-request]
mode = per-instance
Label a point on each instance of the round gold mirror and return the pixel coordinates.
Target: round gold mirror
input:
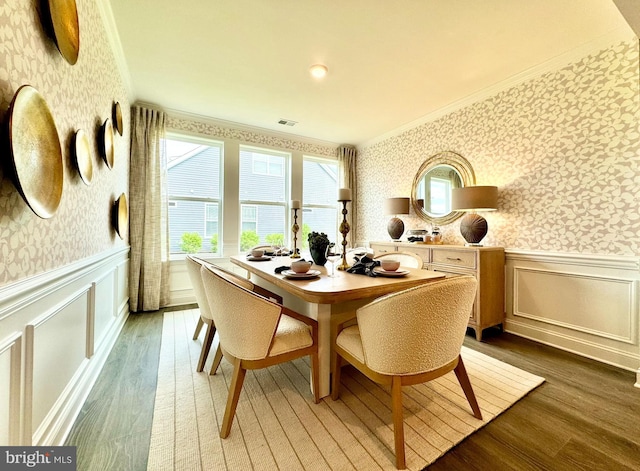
(432, 186)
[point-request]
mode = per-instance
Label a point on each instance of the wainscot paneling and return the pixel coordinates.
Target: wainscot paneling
(56, 331)
(180, 289)
(587, 304)
(10, 359)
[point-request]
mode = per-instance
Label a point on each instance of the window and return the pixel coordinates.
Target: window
(195, 192)
(210, 219)
(249, 219)
(267, 165)
(319, 196)
(263, 190)
(440, 196)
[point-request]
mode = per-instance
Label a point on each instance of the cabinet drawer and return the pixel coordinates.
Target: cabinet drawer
(456, 258)
(421, 252)
(383, 248)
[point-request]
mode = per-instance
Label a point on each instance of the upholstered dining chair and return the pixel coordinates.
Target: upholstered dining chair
(407, 338)
(194, 264)
(265, 247)
(406, 259)
(193, 268)
(256, 332)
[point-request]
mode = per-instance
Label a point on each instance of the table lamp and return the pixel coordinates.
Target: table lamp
(474, 227)
(395, 206)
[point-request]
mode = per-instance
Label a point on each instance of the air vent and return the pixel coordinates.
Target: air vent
(287, 122)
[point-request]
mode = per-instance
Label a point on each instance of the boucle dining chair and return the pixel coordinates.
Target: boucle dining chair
(406, 259)
(194, 264)
(256, 332)
(409, 337)
(193, 268)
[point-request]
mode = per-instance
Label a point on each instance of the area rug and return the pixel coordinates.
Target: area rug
(278, 427)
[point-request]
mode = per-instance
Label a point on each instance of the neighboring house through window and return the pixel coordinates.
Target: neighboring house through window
(198, 213)
(210, 219)
(249, 218)
(320, 195)
(263, 189)
(195, 191)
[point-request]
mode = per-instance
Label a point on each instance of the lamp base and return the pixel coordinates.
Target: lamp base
(473, 228)
(395, 228)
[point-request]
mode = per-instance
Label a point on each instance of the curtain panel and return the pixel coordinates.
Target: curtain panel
(347, 164)
(148, 213)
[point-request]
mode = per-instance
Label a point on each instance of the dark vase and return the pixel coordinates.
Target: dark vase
(319, 257)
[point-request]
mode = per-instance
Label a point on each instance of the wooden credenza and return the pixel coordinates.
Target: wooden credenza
(485, 263)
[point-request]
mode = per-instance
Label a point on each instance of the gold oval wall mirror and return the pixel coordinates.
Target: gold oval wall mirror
(433, 183)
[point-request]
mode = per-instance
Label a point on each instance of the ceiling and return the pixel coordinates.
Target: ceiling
(390, 63)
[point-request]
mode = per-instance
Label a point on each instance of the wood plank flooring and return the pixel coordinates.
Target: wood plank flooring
(585, 416)
(113, 429)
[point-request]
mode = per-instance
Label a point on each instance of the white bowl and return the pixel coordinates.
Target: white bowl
(389, 265)
(300, 266)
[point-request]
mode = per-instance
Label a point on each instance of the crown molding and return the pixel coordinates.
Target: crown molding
(106, 13)
(177, 114)
(556, 63)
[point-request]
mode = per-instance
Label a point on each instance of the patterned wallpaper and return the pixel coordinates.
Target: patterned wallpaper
(202, 128)
(563, 149)
(80, 97)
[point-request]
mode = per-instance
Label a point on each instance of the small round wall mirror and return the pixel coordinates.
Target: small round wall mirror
(432, 186)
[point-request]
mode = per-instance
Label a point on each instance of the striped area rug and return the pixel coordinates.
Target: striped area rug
(278, 427)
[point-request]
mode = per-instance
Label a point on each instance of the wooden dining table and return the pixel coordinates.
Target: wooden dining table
(328, 300)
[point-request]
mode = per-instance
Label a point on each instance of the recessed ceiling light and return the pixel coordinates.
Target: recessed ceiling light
(318, 70)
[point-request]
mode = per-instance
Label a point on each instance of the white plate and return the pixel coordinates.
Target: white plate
(251, 258)
(398, 272)
(292, 274)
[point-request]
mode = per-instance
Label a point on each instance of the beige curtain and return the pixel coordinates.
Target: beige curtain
(149, 259)
(347, 164)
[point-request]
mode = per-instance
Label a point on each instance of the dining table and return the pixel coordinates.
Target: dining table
(330, 300)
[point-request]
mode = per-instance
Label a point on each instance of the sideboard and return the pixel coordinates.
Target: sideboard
(487, 264)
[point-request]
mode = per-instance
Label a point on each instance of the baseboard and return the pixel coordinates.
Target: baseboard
(610, 356)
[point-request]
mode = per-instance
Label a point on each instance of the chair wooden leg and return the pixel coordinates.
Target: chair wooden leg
(232, 400)
(315, 377)
(335, 380)
(216, 361)
(198, 328)
(206, 345)
(463, 379)
(398, 422)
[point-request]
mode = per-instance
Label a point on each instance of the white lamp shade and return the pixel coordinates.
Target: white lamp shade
(474, 198)
(396, 206)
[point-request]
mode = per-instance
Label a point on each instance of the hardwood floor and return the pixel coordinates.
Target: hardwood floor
(585, 416)
(113, 429)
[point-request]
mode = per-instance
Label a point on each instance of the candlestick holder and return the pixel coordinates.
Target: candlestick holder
(344, 230)
(295, 228)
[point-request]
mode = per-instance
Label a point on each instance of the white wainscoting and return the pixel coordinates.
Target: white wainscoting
(56, 331)
(180, 289)
(587, 304)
